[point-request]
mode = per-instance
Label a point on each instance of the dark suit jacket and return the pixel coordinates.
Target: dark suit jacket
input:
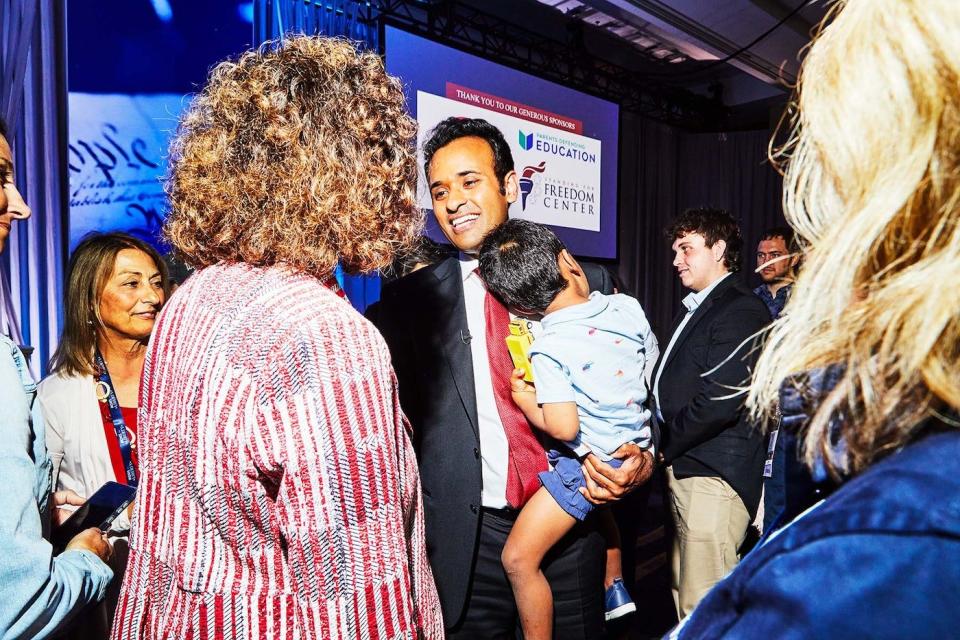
(424, 321)
(598, 278)
(705, 431)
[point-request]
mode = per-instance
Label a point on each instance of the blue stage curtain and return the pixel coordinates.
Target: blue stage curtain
(33, 101)
(274, 19)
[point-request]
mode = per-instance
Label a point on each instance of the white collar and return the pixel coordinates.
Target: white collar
(468, 265)
(696, 298)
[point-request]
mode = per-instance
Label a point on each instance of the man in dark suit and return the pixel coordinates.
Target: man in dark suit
(714, 452)
(478, 462)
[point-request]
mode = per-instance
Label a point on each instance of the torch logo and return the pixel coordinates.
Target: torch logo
(526, 181)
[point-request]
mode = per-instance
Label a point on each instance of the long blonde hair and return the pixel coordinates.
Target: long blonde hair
(872, 187)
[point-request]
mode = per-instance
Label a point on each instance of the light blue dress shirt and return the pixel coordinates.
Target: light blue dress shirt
(39, 592)
(692, 302)
(594, 354)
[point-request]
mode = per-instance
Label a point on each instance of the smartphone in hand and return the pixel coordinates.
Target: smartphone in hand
(100, 510)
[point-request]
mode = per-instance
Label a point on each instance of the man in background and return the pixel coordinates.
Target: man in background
(777, 258)
(715, 453)
(785, 481)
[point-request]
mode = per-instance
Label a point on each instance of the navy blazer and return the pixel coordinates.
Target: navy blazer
(423, 319)
(880, 558)
(705, 430)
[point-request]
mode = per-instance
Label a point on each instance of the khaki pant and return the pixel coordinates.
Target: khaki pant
(711, 523)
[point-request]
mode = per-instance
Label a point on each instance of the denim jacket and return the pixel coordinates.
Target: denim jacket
(879, 558)
(39, 592)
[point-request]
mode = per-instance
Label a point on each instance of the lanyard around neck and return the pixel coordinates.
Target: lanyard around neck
(105, 392)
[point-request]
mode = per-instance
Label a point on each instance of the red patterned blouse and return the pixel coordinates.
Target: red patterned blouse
(279, 495)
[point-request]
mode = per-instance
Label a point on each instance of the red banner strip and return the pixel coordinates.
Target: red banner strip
(511, 108)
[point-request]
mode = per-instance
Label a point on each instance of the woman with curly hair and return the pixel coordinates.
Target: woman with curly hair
(866, 358)
(279, 495)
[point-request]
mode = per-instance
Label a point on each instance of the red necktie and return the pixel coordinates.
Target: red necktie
(526, 457)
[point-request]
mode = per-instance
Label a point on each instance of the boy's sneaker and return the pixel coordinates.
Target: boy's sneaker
(617, 601)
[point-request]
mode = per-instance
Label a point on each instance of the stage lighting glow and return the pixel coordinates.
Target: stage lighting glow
(245, 10)
(163, 9)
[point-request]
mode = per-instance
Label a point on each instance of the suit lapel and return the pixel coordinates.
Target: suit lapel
(451, 326)
(698, 315)
(677, 319)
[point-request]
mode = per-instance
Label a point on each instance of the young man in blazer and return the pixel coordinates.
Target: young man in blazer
(477, 462)
(714, 453)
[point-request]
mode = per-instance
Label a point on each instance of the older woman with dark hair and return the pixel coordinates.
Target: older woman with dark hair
(39, 591)
(115, 286)
(279, 493)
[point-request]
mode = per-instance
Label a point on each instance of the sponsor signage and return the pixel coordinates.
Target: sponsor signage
(558, 169)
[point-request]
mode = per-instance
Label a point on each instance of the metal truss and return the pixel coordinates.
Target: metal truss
(491, 37)
(472, 30)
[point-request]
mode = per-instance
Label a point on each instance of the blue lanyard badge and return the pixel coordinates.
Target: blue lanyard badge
(105, 392)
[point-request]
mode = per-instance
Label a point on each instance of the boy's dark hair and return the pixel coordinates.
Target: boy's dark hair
(455, 128)
(714, 225)
(518, 263)
(3, 128)
(789, 238)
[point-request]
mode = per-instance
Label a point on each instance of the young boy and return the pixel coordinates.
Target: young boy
(588, 392)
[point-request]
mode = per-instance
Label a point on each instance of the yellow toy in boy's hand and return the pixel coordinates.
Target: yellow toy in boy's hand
(518, 343)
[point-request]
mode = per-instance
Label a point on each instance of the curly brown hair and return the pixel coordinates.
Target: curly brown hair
(300, 152)
(714, 225)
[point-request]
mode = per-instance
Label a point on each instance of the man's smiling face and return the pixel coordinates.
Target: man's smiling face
(468, 199)
(697, 264)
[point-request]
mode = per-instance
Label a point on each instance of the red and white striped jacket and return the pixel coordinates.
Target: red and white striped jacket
(279, 494)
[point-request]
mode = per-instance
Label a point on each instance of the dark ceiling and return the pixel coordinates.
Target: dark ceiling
(753, 45)
(740, 55)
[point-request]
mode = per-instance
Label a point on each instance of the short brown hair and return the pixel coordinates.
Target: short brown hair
(90, 267)
(714, 225)
(786, 234)
(300, 152)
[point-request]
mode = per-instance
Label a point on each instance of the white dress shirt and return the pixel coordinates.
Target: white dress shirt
(75, 438)
(494, 450)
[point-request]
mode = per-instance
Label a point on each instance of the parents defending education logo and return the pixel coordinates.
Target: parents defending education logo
(526, 140)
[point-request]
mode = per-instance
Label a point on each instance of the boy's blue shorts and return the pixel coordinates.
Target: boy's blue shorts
(564, 481)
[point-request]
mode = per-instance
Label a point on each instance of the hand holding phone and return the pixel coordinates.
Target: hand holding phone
(92, 540)
(98, 513)
(61, 499)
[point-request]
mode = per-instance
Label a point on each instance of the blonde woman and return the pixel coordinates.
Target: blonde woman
(866, 359)
(279, 495)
